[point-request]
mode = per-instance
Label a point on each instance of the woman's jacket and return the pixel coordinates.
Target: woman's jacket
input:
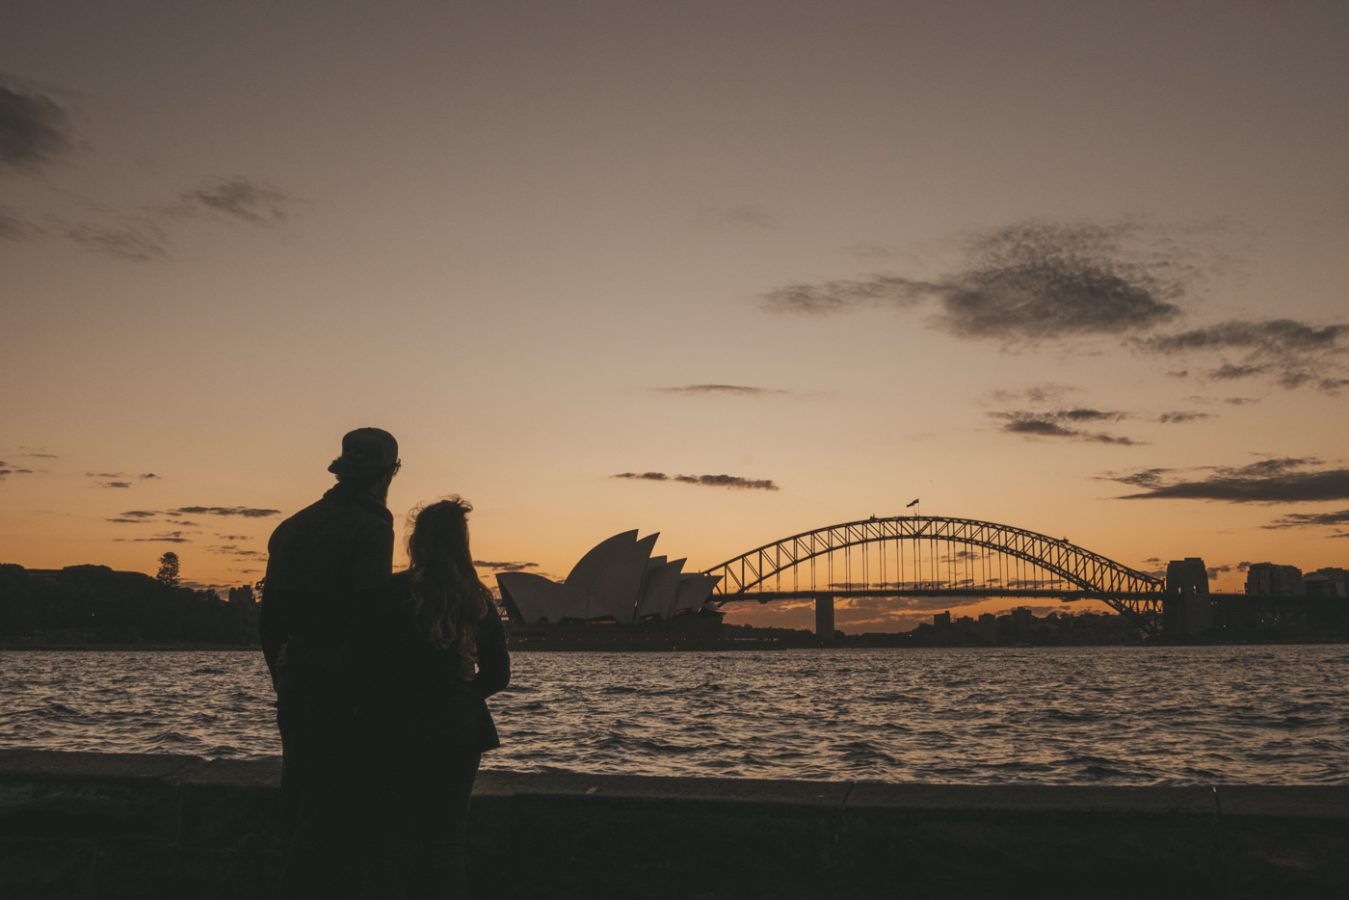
(414, 696)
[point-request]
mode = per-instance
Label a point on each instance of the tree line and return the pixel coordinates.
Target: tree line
(91, 604)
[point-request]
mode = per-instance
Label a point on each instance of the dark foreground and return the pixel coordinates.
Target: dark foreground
(121, 825)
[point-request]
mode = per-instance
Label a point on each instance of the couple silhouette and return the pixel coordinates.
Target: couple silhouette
(381, 680)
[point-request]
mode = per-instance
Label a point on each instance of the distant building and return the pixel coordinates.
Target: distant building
(941, 619)
(1327, 583)
(1270, 580)
(617, 582)
(1022, 619)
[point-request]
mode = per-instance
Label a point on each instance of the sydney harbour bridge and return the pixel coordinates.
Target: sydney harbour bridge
(936, 556)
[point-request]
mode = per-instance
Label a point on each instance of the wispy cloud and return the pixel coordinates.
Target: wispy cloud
(1180, 417)
(1027, 283)
(120, 480)
(726, 481)
(247, 512)
(1291, 353)
(6, 470)
(235, 551)
(178, 515)
(241, 200)
(34, 129)
(170, 537)
(15, 228)
(1048, 392)
(1278, 480)
(727, 390)
(134, 241)
(1063, 423)
(505, 566)
(1311, 520)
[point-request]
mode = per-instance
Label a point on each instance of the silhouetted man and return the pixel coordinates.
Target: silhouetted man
(320, 561)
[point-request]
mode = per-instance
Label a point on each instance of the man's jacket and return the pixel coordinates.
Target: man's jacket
(320, 561)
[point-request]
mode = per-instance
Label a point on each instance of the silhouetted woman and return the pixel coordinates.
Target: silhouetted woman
(438, 650)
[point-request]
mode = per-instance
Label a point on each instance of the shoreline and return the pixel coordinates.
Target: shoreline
(718, 648)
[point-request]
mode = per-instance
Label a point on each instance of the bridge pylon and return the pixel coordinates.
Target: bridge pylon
(824, 618)
(1187, 610)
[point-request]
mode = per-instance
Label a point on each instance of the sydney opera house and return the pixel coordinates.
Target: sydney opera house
(620, 590)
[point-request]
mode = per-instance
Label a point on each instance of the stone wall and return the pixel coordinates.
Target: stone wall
(107, 825)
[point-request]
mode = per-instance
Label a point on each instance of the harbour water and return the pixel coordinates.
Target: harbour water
(1138, 715)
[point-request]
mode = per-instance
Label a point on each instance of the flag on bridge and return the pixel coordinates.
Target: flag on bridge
(913, 502)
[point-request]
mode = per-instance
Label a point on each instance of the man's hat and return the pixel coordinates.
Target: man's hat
(366, 452)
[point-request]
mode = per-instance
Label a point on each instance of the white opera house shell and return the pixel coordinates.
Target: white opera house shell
(618, 581)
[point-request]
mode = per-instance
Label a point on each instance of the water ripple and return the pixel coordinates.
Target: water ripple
(1050, 715)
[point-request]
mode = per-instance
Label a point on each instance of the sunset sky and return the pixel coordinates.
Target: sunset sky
(1075, 267)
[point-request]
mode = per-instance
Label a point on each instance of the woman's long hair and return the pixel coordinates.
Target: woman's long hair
(448, 600)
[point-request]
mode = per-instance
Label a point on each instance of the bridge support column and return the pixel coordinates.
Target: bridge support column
(1187, 611)
(824, 618)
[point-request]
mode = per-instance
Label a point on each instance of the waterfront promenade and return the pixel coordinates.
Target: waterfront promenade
(126, 825)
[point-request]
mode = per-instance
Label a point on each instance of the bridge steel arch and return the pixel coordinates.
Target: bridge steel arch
(1127, 591)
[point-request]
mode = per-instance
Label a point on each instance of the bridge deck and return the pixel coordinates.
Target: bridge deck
(1028, 593)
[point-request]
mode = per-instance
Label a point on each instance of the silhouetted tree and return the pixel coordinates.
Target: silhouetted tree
(168, 569)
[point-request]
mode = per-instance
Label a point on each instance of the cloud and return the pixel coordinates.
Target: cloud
(1035, 394)
(727, 481)
(118, 480)
(734, 390)
(149, 476)
(1179, 417)
(133, 241)
(1310, 520)
(505, 566)
(170, 537)
(178, 516)
(37, 453)
(6, 470)
(1063, 423)
(13, 228)
(247, 512)
(240, 199)
(1278, 480)
(743, 216)
(1229, 372)
(235, 551)
(34, 129)
(1294, 354)
(1026, 283)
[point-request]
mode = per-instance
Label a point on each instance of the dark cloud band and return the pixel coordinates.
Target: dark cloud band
(735, 482)
(1280, 480)
(34, 129)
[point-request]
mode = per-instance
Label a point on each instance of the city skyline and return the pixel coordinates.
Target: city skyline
(721, 274)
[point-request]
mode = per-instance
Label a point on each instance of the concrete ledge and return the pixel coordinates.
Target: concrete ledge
(111, 825)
